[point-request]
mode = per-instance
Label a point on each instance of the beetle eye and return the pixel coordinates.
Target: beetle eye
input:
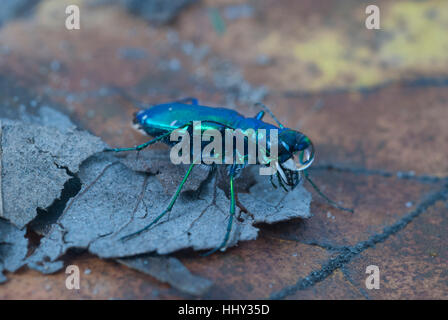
(305, 157)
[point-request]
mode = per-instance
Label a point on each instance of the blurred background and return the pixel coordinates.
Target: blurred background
(369, 99)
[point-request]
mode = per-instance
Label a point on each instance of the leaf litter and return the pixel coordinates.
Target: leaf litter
(119, 195)
(36, 162)
(13, 248)
(170, 270)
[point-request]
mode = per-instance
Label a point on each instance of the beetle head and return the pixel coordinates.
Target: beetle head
(297, 155)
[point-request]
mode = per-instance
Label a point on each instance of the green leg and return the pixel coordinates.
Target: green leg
(168, 209)
(140, 147)
(230, 223)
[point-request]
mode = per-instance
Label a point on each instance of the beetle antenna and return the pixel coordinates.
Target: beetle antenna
(259, 104)
(333, 203)
(129, 97)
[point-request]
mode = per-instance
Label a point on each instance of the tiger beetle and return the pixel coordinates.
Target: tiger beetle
(295, 150)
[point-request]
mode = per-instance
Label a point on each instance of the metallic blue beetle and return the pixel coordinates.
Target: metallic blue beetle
(295, 150)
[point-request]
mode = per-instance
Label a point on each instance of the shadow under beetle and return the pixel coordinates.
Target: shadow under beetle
(295, 150)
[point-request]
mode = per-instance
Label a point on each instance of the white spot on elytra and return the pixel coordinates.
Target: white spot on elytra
(138, 128)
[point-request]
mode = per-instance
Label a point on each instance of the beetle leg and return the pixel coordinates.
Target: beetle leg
(259, 104)
(168, 209)
(260, 115)
(140, 147)
(281, 182)
(331, 202)
(192, 100)
(146, 144)
(296, 179)
(272, 181)
(230, 223)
